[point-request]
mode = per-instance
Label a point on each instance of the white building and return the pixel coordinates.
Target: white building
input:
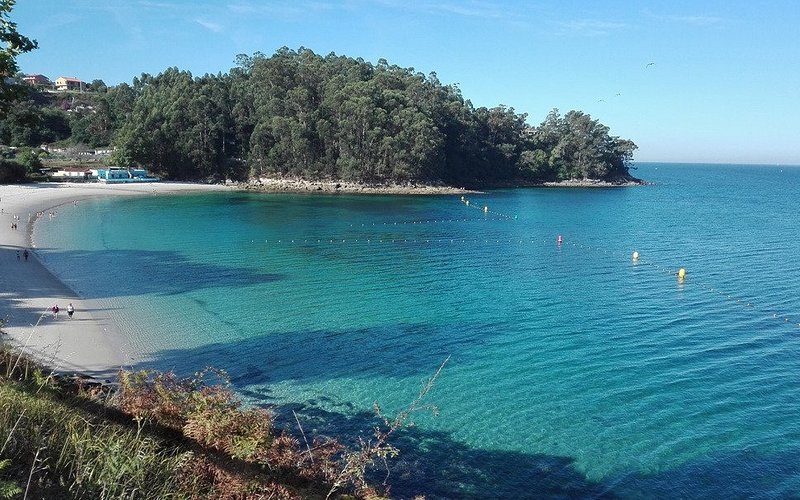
(72, 173)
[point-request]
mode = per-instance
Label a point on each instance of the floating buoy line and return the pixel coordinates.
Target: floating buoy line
(430, 221)
(485, 209)
(635, 258)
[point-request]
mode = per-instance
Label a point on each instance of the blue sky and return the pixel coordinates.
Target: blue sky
(724, 86)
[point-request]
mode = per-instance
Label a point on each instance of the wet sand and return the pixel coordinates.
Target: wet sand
(88, 343)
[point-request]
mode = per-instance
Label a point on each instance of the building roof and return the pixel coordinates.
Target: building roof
(73, 169)
(36, 79)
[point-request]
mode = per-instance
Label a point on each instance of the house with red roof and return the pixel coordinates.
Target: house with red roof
(69, 83)
(37, 81)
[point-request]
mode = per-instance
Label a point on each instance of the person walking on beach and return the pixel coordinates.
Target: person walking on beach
(70, 310)
(55, 311)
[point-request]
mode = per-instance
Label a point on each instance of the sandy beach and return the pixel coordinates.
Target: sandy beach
(87, 343)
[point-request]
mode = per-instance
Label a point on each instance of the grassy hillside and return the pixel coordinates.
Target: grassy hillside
(155, 436)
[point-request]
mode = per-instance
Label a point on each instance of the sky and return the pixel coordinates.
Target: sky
(687, 81)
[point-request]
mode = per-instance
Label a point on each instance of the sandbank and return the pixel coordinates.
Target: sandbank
(88, 343)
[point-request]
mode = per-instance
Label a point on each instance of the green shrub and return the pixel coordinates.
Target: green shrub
(71, 453)
(8, 489)
(158, 436)
(11, 172)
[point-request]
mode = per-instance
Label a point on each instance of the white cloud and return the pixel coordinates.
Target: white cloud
(129, 21)
(589, 27)
(261, 9)
(159, 5)
(209, 25)
(696, 20)
(469, 9)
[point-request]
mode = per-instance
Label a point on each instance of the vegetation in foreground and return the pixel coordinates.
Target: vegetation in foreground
(158, 436)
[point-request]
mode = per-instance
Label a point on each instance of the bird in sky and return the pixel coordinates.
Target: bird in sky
(650, 64)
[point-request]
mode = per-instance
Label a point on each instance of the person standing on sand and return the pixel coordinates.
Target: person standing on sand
(70, 310)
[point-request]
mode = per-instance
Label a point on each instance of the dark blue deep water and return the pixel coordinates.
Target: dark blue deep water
(573, 371)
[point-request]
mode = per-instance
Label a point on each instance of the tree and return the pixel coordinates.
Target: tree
(575, 146)
(298, 114)
(11, 172)
(28, 124)
(30, 159)
(98, 86)
(13, 45)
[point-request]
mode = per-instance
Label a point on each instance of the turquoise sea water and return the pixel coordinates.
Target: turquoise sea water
(573, 372)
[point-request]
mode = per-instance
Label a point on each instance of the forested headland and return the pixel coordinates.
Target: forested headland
(297, 114)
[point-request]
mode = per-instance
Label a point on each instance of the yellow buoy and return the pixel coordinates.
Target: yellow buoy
(681, 273)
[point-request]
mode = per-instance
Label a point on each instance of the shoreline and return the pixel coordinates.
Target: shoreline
(303, 186)
(88, 344)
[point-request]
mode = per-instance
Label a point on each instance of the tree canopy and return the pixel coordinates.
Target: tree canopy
(13, 44)
(300, 114)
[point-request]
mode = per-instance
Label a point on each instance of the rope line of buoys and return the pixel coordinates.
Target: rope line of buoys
(339, 241)
(431, 221)
(677, 272)
(485, 209)
(674, 271)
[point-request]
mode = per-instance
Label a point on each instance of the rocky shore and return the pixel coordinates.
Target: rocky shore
(289, 185)
(292, 185)
(588, 183)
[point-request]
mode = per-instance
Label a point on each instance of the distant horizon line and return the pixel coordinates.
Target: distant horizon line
(716, 163)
